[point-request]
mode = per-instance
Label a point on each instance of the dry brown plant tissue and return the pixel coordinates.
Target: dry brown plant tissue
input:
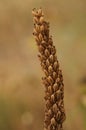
(53, 80)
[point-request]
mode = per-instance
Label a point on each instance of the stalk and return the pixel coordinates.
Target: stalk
(53, 79)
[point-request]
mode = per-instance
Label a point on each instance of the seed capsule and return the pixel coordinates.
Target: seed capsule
(53, 50)
(40, 12)
(37, 28)
(48, 104)
(58, 80)
(55, 65)
(41, 49)
(47, 52)
(55, 87)
(34, 12)
(40, 37)
(47, 62)
(55, 109)
(41, 19)
(52, 98)
(35, 19)
(53, 122)
(51, 58)
(35, 31)
(50, 80)
(58, 94)
(45, 82)
(50, 69)
(42, 28)
(63, 118)
(54, 75)
(37, 39)
(46, 73)
(50, 90)
(50, 112)
(50, 41)
(47, 118)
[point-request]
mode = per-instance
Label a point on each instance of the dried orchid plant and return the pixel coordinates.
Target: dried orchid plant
(53, 80)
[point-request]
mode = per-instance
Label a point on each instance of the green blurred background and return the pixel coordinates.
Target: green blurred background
(21, 89)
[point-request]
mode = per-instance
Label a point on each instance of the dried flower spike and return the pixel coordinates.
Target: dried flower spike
(53, 80)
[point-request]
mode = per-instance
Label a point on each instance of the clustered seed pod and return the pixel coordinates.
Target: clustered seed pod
(53, 80)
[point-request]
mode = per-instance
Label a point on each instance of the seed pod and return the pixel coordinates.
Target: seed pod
(42, 28)
(40, 37)
(63, 118)
(37, 39)
(58, 80)
(45, 82)
(55, 109)
(58, 94)
(41, 49)
(55, 87)
(43, 42)
(53, 122)
(50, 80)
(50, 90)
(47, 52)
(55, 65)
(41, 20)
(51, 58)
(50, 112)
(58, 115)
(37, 28)
(54, 75)
(43, 57)
(46, 117)
(59, 72)
(35, 19)
(43, 65)
(39, 12)
(60, 103)
(47, 63)
(48, 104)
(50, 69)
(53, 50)
(34, 32)
(34, 12)
(52, 98)
(61, 87)
(50, 41)
(46, 73)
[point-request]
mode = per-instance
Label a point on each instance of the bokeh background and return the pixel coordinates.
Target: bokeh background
(21, 89)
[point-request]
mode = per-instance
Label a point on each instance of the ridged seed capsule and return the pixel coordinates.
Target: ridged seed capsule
(50, 80)
(47, 52)
(47, 62)
(51, 58)
(55, 87)
(53, 122)
(40, 12)
(55, 109)
(50, 90)
(41, 20)
(35, 19)
(42, 28)
(37, 28)
(50, 69)
(40, 37)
